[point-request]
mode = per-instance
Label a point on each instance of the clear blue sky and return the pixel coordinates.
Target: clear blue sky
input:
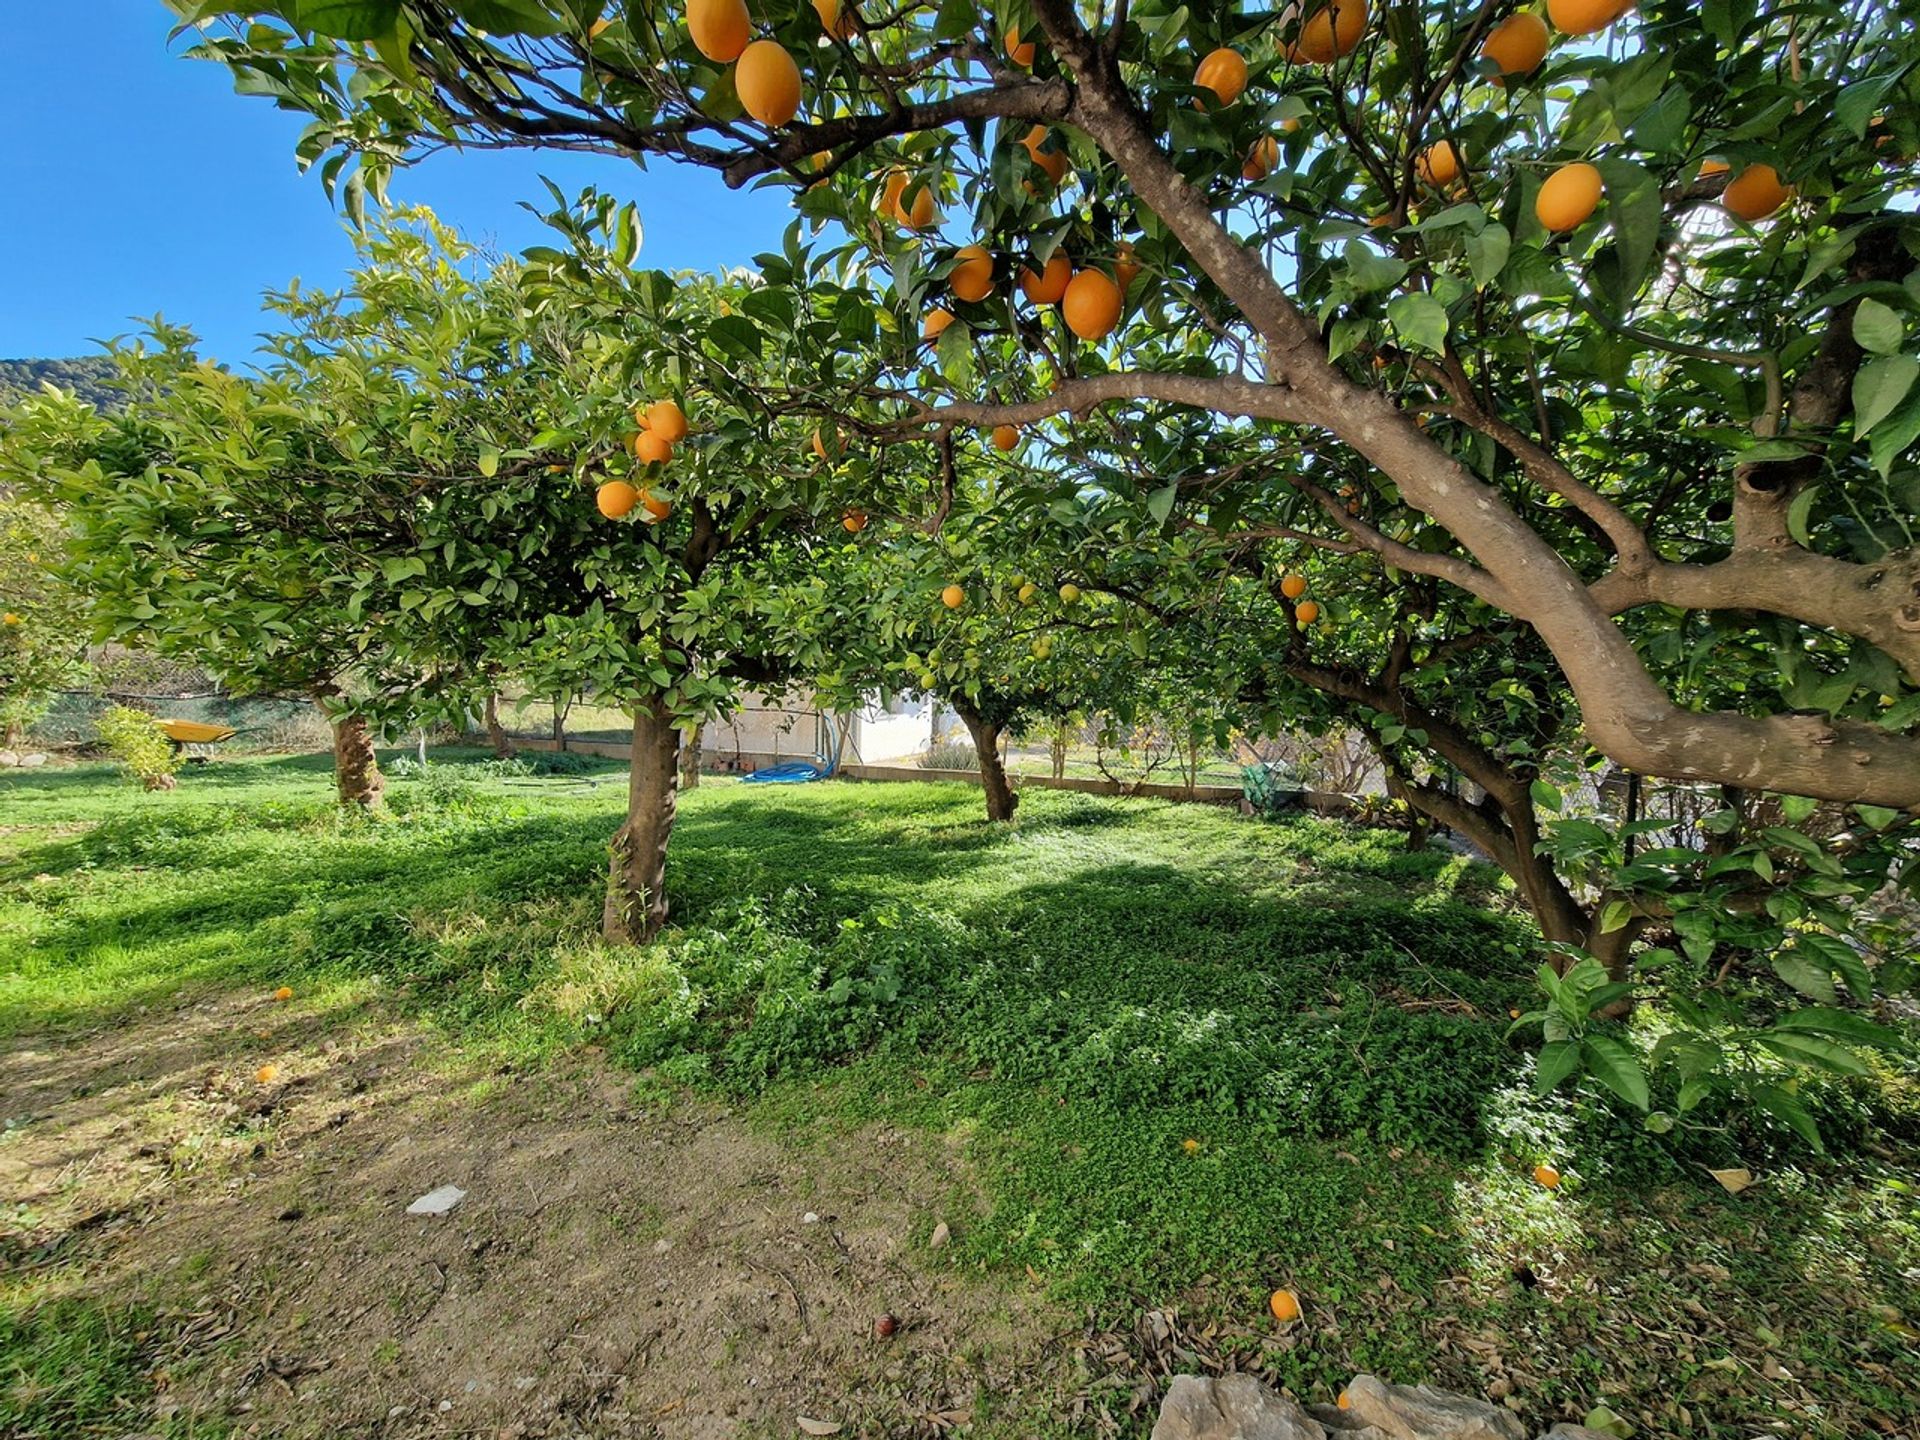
(139, 182)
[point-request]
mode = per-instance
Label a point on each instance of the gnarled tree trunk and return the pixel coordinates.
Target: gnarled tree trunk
(356, 772)
(496, 732)
(636, 907)
(993, 774)
(690, 758)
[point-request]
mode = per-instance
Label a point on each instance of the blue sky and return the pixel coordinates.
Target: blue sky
(139, 182)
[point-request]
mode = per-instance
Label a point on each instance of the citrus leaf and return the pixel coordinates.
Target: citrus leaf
(1613, 1063)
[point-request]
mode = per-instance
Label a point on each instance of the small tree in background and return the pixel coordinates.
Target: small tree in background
(43, 621)
(139, 746)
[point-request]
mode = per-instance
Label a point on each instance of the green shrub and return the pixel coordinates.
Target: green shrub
(138, 745)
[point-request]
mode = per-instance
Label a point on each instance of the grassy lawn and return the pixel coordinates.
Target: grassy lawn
(1188, 1057)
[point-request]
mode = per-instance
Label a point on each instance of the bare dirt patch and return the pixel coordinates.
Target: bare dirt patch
(611, 1271)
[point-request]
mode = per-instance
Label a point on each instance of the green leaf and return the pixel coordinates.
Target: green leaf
(1876, 327)
(1160, 502)
(1368, 270)
(1815, 1050)
(1633, 202)
(1614, 1063)
(346, 19)
(1785, 1106)
(509, 17)
(1615, 916)
(490, 462)
(1557, 1061)
(1487, 253)
(1798, 807)
(1879, 386)
(1879, 817)
(1545, 796)
(1810, 979)
(1419, 320)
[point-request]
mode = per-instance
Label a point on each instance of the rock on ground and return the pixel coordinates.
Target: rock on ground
(1419, 1412)
(1232, 1407)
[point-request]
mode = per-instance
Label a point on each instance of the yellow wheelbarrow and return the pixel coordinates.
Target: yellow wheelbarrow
(194, 734)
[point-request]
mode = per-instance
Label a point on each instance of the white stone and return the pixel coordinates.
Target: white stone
(437, 1202)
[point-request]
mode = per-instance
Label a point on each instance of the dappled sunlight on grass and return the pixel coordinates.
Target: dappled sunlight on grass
(1188, 1057)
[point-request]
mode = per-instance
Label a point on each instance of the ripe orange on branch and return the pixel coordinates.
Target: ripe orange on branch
(972, 278)
(720, 28)
(1293, 586)
(1021, 54)
(953, 597)
(916, 215)
(768, 83)
(836, 19)
(1046, 287)
(1224, 72)
(1126, 266)
(652, 448)
(667, 420)
(1006, 437)
(616, 498)
(657, 509)
(1517, 44)
(1755, 193)
(1307, 611)
(1261, 159)
(1091, 305)
(1585, 17)
(935, 324)
(1331, 32)
(1569, 196)
(854, 521)
(1053, 162)
(1439, 164)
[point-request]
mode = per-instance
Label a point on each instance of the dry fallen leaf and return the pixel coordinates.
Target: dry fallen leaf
(817, 1427)
(1733, 1181)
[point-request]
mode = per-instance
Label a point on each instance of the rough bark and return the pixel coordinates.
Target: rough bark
(636, 906)
(356, 772)
(496, 732)
(1059, 751)
(559, 723)
(690, 758)
(1001, 798)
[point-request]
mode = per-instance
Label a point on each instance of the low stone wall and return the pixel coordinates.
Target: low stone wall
(1321, 802)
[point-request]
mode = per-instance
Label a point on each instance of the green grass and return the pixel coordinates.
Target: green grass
(1072, 999)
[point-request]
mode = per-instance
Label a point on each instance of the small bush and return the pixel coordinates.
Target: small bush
(137, 744)
(951, 755)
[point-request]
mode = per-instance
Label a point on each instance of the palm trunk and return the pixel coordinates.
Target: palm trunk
(356, 772)
(636, 907)
(496, 732)
(993, 774)
(690, 759)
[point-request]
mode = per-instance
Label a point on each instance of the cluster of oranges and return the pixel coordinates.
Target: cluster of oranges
(1516, 46)
(662, 425)
(954, 596)
(1293, 587)
(765, 76)
(1090, 299)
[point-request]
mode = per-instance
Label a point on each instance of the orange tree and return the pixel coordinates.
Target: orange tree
(983, 605)
(1644, 276)
(567, 471)
(1519, 222)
